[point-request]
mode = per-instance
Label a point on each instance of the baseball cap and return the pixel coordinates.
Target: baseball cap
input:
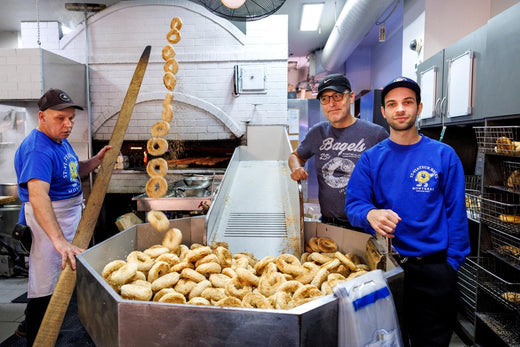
(336, 82)
(56, 99)
(402, 82)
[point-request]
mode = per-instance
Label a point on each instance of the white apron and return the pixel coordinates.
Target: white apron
(44, 260)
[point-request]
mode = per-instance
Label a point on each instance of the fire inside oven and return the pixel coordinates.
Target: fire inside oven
(180, 154)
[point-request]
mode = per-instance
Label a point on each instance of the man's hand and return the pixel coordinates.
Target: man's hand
(383, 221)
(297, 166)
(101, 154)
(86, 166)
(299, 174)
(67, 251)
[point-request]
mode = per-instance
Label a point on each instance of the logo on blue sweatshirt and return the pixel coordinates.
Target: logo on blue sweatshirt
(425, 179)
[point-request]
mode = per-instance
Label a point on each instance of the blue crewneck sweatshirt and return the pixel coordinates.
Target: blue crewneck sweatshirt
(424, 184)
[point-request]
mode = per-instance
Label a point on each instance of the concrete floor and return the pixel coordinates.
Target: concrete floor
(11, 314)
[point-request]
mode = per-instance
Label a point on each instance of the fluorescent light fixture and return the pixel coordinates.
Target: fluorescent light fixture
(233, 3)
(311, 15)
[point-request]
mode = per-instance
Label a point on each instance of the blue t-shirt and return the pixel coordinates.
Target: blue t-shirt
(424, 184)
(42, 158)
(336, 152)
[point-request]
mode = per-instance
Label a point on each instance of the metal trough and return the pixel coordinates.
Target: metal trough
(113, 321)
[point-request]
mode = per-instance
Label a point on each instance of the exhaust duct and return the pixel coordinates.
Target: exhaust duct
(354, 22)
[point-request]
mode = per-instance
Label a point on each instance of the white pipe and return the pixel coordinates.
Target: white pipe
(89, 102)
(354, 22)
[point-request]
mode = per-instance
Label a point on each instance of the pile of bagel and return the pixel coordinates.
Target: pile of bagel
(172, 272)
(510, 250)
(157, 145)
(507, 146)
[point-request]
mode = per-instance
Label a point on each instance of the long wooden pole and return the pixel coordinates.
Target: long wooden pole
(53, 319)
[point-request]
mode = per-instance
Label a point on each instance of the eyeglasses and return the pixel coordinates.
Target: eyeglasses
(337, 97)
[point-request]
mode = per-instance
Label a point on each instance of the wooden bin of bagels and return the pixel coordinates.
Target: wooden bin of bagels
(113, 321)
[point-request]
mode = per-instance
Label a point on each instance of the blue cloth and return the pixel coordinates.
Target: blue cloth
(42, 158)
(336, 152)
(424, 184)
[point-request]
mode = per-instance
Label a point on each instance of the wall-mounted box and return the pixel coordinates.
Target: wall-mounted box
(250, 79)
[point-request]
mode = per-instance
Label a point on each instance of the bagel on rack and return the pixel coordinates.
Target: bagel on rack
(509, 218)
(505, 145)
(513, 181)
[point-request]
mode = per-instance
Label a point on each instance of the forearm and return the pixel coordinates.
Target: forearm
(296, 164)
(86, 166)
(295, 161)
(44, 214)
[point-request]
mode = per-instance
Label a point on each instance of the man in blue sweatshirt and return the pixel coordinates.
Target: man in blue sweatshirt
(410, 188)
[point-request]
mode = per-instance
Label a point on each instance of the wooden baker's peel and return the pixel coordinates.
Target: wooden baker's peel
(53, 319)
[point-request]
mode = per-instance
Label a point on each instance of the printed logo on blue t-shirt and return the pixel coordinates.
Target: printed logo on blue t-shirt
(425, 179)
(70, 172)
(73, 171)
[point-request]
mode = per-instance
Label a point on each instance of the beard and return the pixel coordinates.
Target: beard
(403, 126)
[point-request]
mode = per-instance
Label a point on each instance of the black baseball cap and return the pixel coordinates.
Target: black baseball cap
(402, 82)
(56, 99)
(336, 82)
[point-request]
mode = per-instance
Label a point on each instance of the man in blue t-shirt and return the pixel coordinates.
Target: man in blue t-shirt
(336, 145)
(48, 173)
(411, 188)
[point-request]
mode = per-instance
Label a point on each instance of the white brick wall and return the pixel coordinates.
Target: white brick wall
(210, 47)
(49, 35)
(20, 74)
(204, 104)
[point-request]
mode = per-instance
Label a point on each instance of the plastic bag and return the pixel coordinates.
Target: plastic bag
(367, 315)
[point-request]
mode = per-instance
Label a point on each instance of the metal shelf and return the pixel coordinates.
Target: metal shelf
(496, 317)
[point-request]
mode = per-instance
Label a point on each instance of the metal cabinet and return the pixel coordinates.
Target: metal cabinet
(453, 82)
(503, 73)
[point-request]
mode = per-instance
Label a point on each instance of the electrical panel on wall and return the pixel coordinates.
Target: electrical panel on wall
(249, 79)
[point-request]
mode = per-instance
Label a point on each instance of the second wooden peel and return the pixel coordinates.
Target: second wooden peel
(53, 319)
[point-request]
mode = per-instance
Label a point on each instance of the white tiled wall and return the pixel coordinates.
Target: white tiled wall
(20, 74)
(204, 104)
(47, 32)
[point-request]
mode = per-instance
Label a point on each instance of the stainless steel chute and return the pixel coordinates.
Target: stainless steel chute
(258, 207)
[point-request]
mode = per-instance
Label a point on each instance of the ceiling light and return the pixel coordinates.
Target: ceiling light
(233, 3)
(311, 14)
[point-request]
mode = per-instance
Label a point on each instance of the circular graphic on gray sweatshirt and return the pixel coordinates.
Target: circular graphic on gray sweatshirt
(337, 171)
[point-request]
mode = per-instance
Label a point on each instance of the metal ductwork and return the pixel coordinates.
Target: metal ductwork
(353, 24)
